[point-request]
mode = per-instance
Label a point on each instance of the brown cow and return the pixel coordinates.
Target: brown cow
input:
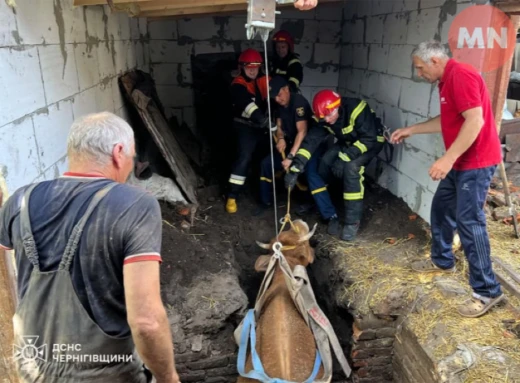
(285, 344)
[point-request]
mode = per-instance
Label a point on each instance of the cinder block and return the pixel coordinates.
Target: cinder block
(394, 117)
(329, 11)
(329, 32)
(360, 56)
(310, 31)
(349, 9)
(324, 75)
(382, 7)
(162, 29)
(354, 80)
(188, 114)
(51, 129)
(326, 53)
(375, 29)
(147, 58)
(427, 143)
(435, 103)
(414, 163)
(87, 63)
(305, 50)
(307, 92)
(134, 29)
(400, 61)
(84, 103)
(423, 26)
(378, 58)
(170, 52)
(120, 48)
(95, 25)
(168, 74)
(432, 3)
(8, 31)
(389, 89)
(405, 5)
(21, 83)
(139, 54)
(19, 153)
(396, 28)
(131, 58)
(364, 8)
(259, 46)
(175, 96)
(347, 55)
(74, 22)
(117, 95)
(174, 112)
(106, 60)
(143, 26)
(449, 20)
(356, 33)
(113, 25)
(415, 97)
(296, 14)
(234, 28)
(199, 28)
(37, 22)
(204, 47)
(105, 97)
(124, 21)
(370, 85)
(342, 79)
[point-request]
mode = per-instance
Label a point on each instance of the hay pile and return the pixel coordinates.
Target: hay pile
(371, 280)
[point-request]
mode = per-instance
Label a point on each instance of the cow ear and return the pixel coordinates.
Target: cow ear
(262, 262)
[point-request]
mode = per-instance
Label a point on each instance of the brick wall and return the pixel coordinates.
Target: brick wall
(378, 37)
(173, 42)
(57, 63)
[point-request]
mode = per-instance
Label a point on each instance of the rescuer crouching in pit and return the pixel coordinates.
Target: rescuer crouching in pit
(293, 117)
(359, 134)
(251, 119)
(286, 63)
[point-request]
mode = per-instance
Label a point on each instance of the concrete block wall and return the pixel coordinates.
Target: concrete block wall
(173, 42)
(378, 37)
(57, 63)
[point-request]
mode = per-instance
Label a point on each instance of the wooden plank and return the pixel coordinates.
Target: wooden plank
(105, 2)
(160, 131)
(7, 306)
(158, 5)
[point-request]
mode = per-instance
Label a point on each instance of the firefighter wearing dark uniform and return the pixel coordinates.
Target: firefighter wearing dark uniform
(285, 62)
(359, 134)
(251, 121)
(293, 118)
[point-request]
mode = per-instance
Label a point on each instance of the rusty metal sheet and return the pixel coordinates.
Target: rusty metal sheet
(513, 144)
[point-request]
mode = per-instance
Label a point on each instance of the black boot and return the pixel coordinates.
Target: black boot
(353, 214)
(333, 226)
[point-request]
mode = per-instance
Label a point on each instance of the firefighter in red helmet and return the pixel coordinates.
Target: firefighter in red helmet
(249, 92)
(285, 62)
(359, 134)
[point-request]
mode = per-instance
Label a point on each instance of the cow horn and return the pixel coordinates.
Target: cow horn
(263, 245)
(308, 236)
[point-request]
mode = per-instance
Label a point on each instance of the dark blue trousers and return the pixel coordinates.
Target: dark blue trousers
(266, 176)
(458, 204)
(318, 186)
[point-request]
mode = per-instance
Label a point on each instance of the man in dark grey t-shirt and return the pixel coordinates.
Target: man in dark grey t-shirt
(106, 236)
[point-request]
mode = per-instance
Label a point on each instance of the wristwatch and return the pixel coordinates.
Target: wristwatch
(290, 156)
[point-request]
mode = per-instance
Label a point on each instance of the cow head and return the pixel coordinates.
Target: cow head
(297, 249)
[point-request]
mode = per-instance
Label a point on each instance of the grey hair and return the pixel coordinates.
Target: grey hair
(94, 136)
(429, 49)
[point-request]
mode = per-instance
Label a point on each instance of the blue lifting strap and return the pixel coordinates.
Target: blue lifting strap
(258, 372)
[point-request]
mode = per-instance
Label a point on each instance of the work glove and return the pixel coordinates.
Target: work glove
(290, 179)
(338, 168)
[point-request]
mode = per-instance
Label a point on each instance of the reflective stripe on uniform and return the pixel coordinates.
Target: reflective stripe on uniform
(295, 80)
(293, 61)
(319, 190)
(266, 179)
(357, 111)
(294, 169)
(279, 71)
(249, 109)
(358, 195)
(362, 147)
(329, 129)
(237, 180)
(380, 139)
(305, 153)
(344, 157)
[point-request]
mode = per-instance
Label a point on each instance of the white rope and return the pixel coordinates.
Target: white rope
(275, 205)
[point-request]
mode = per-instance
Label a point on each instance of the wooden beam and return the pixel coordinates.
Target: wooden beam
(158, 5)
(105, 2)
(509, 7)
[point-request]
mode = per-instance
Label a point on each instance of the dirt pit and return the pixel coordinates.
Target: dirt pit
(208, 277)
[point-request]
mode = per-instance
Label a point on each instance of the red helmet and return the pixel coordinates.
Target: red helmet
(250, 58)
(284, 36)
(325, 102)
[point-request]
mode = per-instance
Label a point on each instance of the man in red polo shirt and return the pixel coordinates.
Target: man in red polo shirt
(465, 171)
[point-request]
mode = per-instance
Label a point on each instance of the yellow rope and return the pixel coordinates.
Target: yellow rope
(287, 217)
